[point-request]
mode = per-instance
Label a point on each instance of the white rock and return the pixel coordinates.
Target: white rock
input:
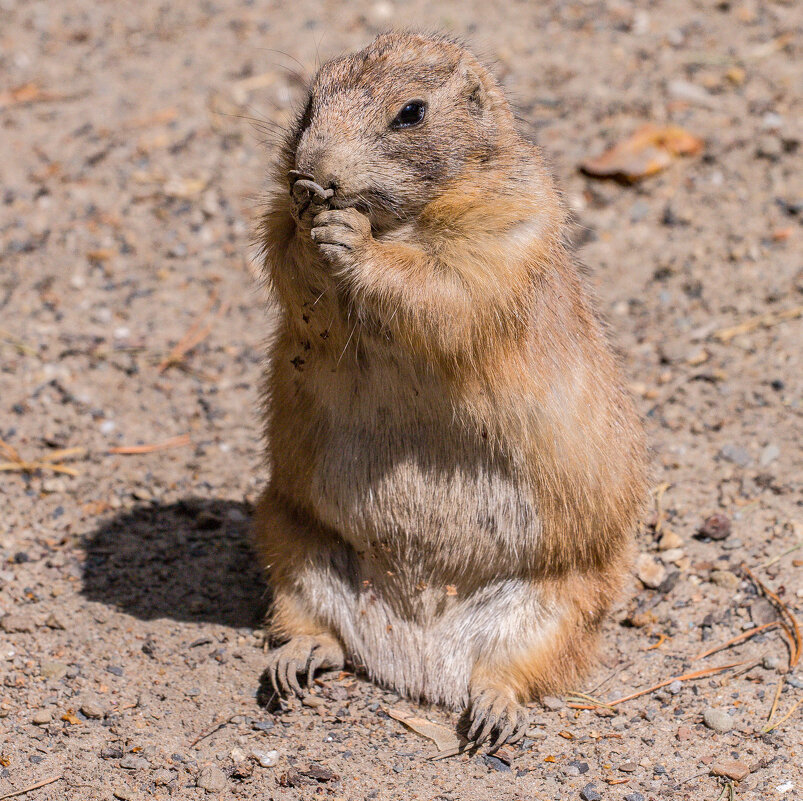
(650, 572)
(268, 759)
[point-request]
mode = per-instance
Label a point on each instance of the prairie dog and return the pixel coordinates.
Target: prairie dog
(456, 470)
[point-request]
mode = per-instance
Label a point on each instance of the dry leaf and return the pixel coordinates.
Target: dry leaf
(443, 736)
(69, 717)
(648, 151)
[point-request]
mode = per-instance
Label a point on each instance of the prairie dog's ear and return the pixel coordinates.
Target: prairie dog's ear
(474, 86)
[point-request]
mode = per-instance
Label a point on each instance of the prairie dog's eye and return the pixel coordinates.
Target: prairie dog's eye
(412, 114)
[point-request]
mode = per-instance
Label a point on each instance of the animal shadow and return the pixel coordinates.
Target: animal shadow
(189, 561)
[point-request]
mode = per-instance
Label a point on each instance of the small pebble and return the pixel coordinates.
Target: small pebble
(731, 769)
(589, 793)
(41, 717)
(770, 662)
(675, 687)
(16, 623)
(92, 710)
(628, 767)
(724, 578)
(55, 620)
(794, 681)
(718, 720)
(267, 759)
(211, 779)
(716, 527)
(237, 755)
(494, 763)
(312, 701)
(134, 763)
(736, 455)
(683, 733)
(634, 797)
(669, 541)
(769, 454)
(53, 670)
(123, 793)
(163, 776)
(649, 571)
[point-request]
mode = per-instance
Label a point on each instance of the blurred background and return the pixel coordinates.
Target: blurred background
(135, 140)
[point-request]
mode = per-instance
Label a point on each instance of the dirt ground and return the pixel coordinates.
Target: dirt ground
(135, 138)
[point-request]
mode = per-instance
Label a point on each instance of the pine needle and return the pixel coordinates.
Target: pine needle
(697, 674)
(746, 635)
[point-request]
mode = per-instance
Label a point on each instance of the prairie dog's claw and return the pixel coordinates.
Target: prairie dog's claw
(305, 655)
(315, 191)
(496, 719)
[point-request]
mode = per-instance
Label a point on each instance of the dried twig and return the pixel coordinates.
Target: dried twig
(698, 674)
(659, 512)
(788, 620)
(776, 698)
(746, 635)
(23, 347)
(759, 321)
(209, 732)
(30, 787)
(196, 334)
(46, 462)
(780, 556)
(173, 442)
(786, 717)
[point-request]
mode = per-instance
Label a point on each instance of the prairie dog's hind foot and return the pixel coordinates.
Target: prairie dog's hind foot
(304, 654)
(495, 716)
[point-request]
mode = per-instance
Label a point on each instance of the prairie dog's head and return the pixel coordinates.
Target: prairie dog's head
(384, 128)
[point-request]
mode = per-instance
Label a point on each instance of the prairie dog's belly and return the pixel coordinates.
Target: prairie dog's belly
(397, 467)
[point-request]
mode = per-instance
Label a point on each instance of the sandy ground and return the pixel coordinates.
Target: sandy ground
(134, 141)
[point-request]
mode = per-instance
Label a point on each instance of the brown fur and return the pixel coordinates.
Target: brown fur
(455, 468)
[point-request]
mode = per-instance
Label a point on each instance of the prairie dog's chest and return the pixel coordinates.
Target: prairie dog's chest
(403, 461)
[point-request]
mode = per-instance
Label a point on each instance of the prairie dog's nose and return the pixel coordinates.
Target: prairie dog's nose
(323, 164)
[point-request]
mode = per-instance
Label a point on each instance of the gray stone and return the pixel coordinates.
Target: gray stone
(211, 779)
(634, 797)
(718, 720)
(771, 662)
(16, 623)
(134, 763)
(735, 454)
(590, 793)
(51, 669)
(762, 612)
(163, 776)
(724, 578)
(769, 454)
(41, 717)
(794, 681)
(92, 710)
(553, 703)
(55, 620)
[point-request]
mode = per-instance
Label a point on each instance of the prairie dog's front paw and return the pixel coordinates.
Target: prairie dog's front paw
(340, 233)
(304, 655)
(496, 717)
